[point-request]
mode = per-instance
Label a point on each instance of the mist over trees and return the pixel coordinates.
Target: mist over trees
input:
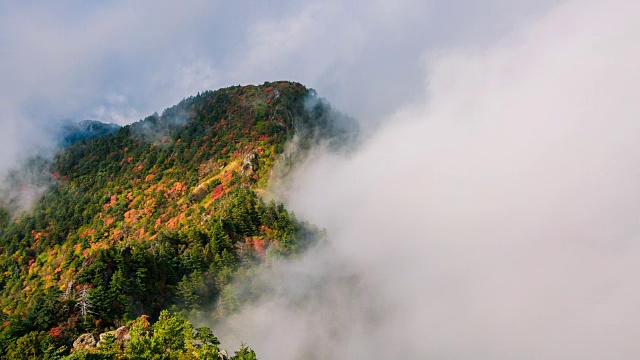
(165, 213)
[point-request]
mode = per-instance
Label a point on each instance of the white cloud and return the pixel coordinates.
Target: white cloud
(496, 218)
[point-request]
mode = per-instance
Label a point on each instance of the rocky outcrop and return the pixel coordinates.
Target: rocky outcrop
(223, 355)
(85, 341)
(249, 163)
(120, 334)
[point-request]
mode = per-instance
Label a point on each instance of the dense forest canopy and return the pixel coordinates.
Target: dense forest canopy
(160, 214)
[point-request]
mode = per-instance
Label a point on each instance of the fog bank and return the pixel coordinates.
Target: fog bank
(494, 218)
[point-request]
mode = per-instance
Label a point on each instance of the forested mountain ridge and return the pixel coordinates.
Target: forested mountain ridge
(73, 132)
(162, 213)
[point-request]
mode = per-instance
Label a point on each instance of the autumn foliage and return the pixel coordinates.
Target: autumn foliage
(163, 213)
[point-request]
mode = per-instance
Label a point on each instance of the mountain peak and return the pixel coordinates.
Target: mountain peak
(73, 132)
(162, 213)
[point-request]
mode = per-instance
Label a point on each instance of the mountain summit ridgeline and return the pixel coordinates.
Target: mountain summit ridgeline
(160, 214)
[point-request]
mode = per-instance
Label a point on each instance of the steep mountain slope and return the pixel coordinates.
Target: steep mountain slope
(162, 213)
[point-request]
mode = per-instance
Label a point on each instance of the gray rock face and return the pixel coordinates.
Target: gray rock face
(121, 334)
(249, 163)
(84, 341)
